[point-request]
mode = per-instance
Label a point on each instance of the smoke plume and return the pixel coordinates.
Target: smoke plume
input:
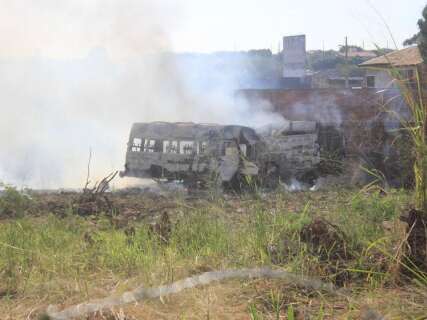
(75, 75)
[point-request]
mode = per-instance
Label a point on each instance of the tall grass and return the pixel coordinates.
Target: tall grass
(415, 98)
(416, 101)
(39, 254)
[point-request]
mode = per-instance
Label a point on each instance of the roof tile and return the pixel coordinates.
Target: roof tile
(400, 58)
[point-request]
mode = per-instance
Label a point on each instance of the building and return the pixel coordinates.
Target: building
(337, 79)
(406, 61)
(294, 73)
(354, 52)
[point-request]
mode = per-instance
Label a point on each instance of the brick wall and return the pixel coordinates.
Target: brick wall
(329, 105)
(360, 115)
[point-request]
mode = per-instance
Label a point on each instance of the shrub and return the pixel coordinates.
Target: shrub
(13, 203)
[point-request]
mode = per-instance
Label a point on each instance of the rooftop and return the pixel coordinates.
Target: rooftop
(400, 58)
(352, 53)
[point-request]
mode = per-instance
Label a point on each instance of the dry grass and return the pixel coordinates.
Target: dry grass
(65, 260)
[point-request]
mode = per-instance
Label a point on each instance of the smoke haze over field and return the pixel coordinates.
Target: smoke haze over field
(75, 75)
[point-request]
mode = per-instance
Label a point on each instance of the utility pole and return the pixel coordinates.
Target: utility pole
(346, 62)
(323, 49)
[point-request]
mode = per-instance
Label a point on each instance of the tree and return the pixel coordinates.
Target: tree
(420, 38)
(350, 48)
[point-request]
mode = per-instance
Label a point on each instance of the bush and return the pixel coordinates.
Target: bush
(13, 203)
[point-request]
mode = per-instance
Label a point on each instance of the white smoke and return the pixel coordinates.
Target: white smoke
(76, 75)
(320, 108)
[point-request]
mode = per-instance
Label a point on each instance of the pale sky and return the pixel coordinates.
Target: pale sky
(70, 28)
(244, 24)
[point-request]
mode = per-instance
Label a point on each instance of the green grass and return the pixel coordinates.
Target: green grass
(73, 256)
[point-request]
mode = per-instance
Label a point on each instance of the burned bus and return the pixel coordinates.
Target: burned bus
(195, 153)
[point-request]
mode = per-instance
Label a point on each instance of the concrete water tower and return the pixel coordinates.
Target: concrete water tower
(294, 60)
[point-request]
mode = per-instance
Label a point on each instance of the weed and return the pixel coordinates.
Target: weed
(254, 313)
(277, 302)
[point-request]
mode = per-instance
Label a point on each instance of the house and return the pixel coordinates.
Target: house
(338, 79)
(353, 52)
(406, 61)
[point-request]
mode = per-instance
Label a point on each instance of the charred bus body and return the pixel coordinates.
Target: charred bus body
(195, 153)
